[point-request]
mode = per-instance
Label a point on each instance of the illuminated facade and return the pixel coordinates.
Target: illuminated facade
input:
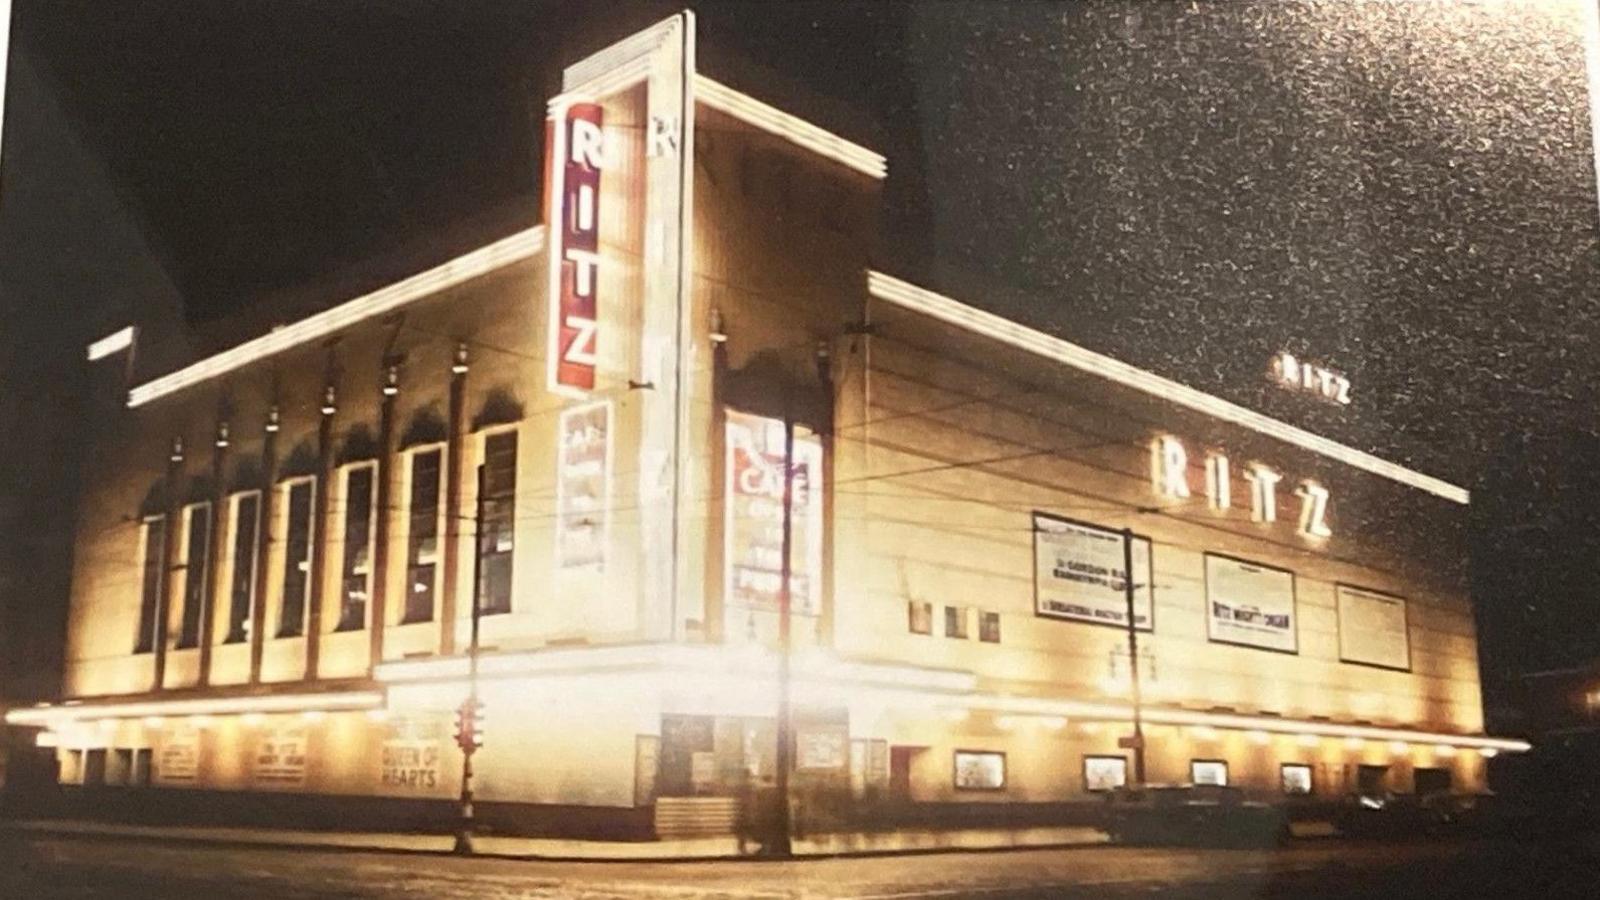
(582, 427)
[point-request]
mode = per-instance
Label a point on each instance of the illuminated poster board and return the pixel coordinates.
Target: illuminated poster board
(583, 475)
(1251, 604)
(980, 770)
(1078, 574)
(753, 518)
(280, 757)
(179, 757)
(1372, 628)
(1104, 773)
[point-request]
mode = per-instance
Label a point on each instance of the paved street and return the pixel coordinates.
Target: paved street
(51, 867)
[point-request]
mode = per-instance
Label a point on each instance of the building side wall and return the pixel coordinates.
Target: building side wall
(952, 472)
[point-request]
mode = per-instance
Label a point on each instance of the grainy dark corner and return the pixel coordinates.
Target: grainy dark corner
(812, 449)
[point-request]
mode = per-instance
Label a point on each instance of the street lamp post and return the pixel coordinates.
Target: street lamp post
(467, 735)
(1128, 589)
(780, 844)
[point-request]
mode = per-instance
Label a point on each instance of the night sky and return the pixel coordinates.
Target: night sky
(1404, 191)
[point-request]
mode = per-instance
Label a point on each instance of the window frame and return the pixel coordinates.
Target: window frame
(965, 631)
(480, 558)
(985, 616)
(415, 560)
(287, 486)
(926, 606)
(150, 628)
(238, 633)
(194, 587)
(365, 569)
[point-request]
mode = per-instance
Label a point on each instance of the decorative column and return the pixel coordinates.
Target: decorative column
(452, 501)
(319, 555)
(379, 599)
(169, 560)
(219, 515)
(269, 494)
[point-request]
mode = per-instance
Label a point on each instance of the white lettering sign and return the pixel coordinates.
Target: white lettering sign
(1310, 378)
(1263, 492)
(1170, 467)
(1219, 482)
(1313, 510)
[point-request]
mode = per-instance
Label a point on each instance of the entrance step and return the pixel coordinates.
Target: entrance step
(695, 816)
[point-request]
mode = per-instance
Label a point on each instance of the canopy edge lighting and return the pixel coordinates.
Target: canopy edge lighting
(1238, 722)
(483, 260)
(790, 127)
(51, 716)
(115, 342)
(954, 312)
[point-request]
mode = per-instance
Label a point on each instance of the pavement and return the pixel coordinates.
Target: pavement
(699, 848)
(42, 866)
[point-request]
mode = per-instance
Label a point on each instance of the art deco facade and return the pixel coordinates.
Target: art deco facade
(581, 425)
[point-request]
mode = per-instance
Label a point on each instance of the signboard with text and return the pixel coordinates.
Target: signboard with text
(1078, 574)
(179, 755)
(1250, 604)
(583, 465)
(280, 757)
(412, 749)
(753, 517)
(1372, 628)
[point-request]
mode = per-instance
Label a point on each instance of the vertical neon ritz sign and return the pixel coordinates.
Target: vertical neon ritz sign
(577, 144)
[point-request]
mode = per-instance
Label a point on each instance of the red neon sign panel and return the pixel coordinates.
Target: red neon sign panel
(577, 221)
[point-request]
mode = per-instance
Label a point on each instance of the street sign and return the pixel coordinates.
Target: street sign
(1131, 742)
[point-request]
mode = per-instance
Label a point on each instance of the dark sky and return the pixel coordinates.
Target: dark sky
(1403, 190)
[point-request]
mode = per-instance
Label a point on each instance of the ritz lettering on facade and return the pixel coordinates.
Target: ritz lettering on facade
(578, 159)
(1169, 475)
(1299, 375)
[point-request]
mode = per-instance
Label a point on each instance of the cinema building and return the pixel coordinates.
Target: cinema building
(582, 428)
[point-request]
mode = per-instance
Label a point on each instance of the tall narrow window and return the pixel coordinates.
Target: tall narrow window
(151, 582)
(422, 544)
(242, 590)
(297, 551)
(357, 581)
(197, 555)
(495, 532)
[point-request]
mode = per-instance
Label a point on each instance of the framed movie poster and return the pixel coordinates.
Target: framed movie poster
(980, 770)
(1078, 574)
(1104, 773)
(1373, 628)
(1250, 604)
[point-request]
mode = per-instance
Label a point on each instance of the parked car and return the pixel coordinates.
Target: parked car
(1193, 815)
(1389, 815)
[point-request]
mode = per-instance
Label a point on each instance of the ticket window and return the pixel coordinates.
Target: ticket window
(1432, 781)
(1372, 781)
(94, 767)
(119, 766)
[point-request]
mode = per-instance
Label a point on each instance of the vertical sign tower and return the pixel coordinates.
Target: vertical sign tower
(618, 183)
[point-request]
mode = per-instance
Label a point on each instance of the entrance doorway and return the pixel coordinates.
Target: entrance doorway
(900, 772)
